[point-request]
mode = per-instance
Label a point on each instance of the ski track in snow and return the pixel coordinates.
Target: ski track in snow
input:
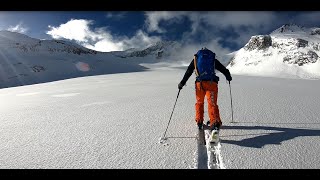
(207, 158)
(96, 103)
(28, 94)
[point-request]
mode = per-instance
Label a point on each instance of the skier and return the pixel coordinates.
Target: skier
(206, 84)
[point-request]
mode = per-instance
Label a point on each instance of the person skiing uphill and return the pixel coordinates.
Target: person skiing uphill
(204, 64)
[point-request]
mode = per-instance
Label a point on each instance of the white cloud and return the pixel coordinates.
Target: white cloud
(74, 30)
(185, 54)
(141, 39)
(99, 39)
(18, 28)
(153, 19)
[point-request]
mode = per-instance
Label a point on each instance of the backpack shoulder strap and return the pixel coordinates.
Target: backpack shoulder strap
(195, 65)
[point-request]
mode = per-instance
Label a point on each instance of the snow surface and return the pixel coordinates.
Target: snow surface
(115, 121)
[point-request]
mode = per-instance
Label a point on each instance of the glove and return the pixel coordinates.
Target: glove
(180, 85)
(228, 76)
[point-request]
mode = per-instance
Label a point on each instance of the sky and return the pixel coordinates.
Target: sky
(115, 121)
(107, 31)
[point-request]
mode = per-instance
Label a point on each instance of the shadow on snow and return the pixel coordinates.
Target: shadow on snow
(282, 134)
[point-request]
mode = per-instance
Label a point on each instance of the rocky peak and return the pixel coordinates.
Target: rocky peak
(315, 31)
(259, 42)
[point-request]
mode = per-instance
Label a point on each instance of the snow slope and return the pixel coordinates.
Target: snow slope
(115, 121)
(25, 60)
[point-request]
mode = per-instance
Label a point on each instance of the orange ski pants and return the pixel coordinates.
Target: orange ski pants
(207, 89)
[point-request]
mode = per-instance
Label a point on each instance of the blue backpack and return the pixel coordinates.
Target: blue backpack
(204, 65)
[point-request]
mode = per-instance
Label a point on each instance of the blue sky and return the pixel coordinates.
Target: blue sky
(226, 31)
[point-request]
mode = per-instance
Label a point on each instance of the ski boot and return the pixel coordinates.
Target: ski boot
(200, 125)
(214, 134)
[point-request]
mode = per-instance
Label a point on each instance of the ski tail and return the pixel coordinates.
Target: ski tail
(201, 134)
(201, 137)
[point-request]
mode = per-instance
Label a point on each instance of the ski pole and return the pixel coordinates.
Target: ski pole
(171, 116)
(231, 103)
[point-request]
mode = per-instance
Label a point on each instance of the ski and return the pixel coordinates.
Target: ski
(202, 157)
(201, 136)
(208, 148)
(213, 147)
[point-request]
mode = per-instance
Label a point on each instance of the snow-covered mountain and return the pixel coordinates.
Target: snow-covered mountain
(25, 60)
(13, 40)
(290, 51)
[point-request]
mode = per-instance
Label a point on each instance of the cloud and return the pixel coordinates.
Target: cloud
(219, 20)
(99, 39)
(214, 25)
(239, 18)
(186, 52)
(225, 31)
(18, 28)
(141, 39)
(153, 19)
(74, 30)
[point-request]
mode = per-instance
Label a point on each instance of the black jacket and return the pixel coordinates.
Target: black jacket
(190, 70)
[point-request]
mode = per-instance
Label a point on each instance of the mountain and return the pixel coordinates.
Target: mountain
(12, 40)
(153, 52)
(291, 51)
(25, 60)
